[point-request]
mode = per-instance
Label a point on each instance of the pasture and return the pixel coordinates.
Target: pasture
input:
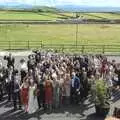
(12, 15)
(88, 34)
(18, 15)
(16, 36)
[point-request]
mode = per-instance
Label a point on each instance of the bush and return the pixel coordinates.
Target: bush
(102, 104)
(101, 93)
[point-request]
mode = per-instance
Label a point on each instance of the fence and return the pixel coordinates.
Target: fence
(20, 45)
(92, 48)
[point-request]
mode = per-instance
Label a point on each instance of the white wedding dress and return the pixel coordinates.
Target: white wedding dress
(32, 102)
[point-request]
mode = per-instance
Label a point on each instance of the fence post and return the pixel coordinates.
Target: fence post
(41, 45)
(103, 49)
(28, 43)
(62, 48)
(9, 45)
(83, 47)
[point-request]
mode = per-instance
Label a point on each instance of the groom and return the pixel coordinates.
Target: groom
(15, 88)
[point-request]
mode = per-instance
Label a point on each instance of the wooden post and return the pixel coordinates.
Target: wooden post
(83, 47)
(76, 42)
(9, 45)
(41, 45)
(62, 48)
(103, 49)
(28, 45)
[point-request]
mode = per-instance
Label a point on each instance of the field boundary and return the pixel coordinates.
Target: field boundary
(59, 21)
(73, 48)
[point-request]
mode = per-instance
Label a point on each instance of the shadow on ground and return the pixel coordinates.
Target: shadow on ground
(76, 111)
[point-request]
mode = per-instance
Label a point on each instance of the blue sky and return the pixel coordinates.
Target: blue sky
(110, 3)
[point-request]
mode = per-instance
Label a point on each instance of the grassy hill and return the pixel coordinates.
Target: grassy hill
(52, 14)
(10, 15)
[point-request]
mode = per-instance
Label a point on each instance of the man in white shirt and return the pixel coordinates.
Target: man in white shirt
(23, 69)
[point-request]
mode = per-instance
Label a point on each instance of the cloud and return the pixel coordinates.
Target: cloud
(90, 2)
(114, 3)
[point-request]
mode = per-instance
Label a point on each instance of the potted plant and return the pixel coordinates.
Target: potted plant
(101, 100)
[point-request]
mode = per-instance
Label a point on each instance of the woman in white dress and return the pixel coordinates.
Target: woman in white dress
(32, 101)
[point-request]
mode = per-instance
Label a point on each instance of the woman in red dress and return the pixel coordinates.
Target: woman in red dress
(24, 93)
(48, 93)
(104, 68)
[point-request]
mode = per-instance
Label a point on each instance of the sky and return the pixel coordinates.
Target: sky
(109, 3)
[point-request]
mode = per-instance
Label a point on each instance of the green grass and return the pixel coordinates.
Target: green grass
(95, 15)
(90, 34)
(105, 15)
(19, 35)
(14, 15)
(10, 15)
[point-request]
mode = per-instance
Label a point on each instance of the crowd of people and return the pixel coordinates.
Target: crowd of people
(50, 80)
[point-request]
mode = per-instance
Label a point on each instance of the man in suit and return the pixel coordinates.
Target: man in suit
(15, 89)
(10, 60)
(75, 88)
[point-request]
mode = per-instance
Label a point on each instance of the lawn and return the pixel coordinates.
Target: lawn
(105, 15)
(17, 36)
(90, 34)
(14, 15)
(97, 15)
(10, 15)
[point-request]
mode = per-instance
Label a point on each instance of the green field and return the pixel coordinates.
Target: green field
(10, 15)
(62, 33)
(101, 15)
(95, 15)
(90, 34)
(14, 15)
(33, 36)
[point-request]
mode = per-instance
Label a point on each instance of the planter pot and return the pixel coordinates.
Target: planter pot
(102, 111)
(97, 108)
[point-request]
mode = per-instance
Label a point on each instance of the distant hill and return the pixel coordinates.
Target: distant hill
(75, 8)
(45, 9)
(57, 8)
(15, 5)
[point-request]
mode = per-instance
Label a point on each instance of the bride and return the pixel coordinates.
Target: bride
(32, 102)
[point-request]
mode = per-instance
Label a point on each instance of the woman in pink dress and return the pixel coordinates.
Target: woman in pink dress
(67, 89)
(24, 93)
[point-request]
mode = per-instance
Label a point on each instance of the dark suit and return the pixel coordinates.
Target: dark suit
(15, 93)
(75, 89)
(41, 95)
(11, 61)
